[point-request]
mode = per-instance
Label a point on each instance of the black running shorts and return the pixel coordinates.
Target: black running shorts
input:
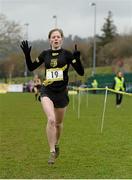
(59, 99)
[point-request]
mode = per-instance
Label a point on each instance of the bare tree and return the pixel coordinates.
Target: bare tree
(10, 34)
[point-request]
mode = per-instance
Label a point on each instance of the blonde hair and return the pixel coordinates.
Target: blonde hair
(56, 29)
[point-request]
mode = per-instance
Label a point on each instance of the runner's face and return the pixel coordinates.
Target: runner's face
(56, 40)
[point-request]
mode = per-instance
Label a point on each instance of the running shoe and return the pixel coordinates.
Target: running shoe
(52, 158)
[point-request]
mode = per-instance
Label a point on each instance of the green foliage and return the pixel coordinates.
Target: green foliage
(73, 76)
(109, 30)
(88, 72)
(85, 152)
(120, 47)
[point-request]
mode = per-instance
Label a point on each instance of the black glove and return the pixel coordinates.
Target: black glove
(76, 53)
(77, 64)
(26, 48)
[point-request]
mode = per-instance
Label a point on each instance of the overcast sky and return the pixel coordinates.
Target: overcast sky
(75, 17)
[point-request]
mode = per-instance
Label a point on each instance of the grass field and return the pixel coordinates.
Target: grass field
(85, 152)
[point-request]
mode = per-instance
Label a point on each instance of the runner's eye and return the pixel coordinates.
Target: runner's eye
(58, 37)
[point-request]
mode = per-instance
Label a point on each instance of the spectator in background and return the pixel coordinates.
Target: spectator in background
(94, 85)
(37, 86)
(119, 85)
(30, 86)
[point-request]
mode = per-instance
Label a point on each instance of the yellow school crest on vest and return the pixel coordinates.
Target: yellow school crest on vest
(53, 63)
(55, 54)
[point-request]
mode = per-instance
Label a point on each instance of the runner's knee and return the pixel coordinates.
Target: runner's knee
(59, 124)
(51, 121)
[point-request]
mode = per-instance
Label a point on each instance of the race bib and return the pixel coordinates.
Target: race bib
(55, 74)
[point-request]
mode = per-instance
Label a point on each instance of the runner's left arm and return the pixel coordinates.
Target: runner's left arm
(76, 62)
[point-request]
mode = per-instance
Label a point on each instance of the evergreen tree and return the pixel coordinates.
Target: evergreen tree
(109, 30)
